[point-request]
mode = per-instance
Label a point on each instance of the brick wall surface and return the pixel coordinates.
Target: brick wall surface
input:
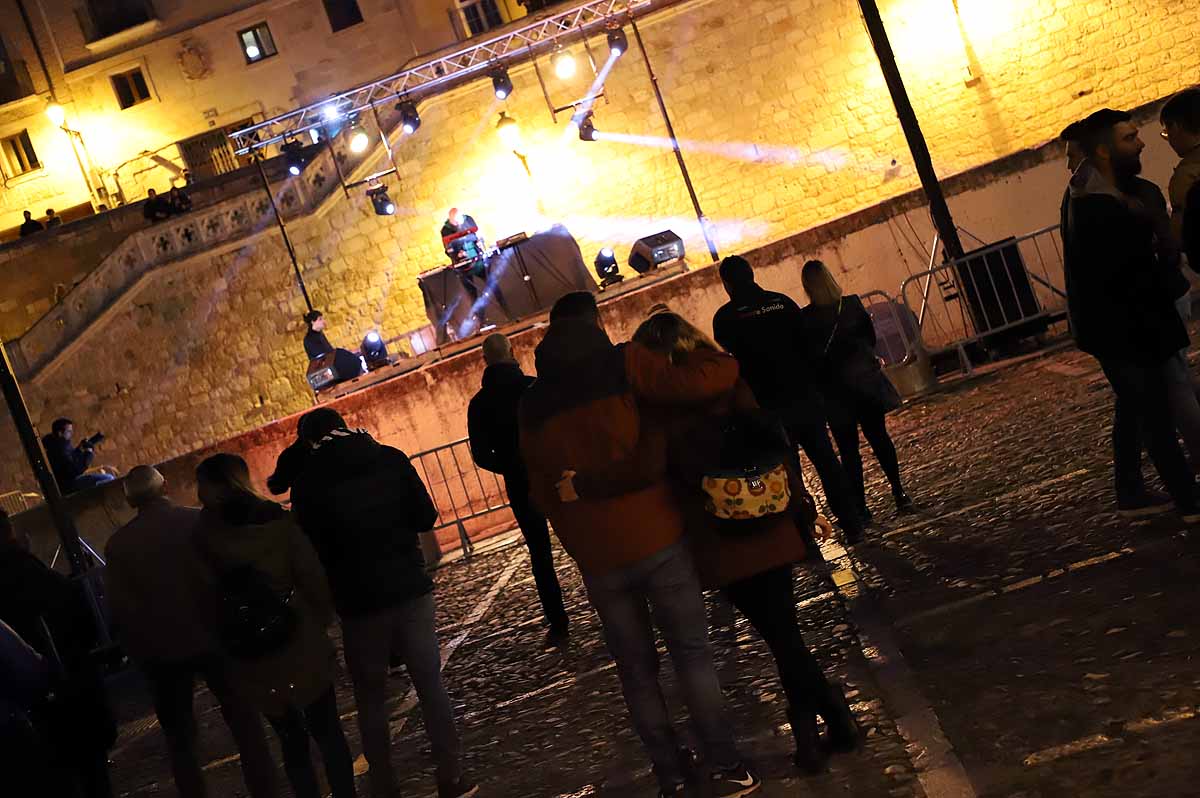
(785, 123)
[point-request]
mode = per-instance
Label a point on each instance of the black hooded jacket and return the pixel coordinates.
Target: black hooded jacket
(363, 506)
(492, 420)
(67, 462)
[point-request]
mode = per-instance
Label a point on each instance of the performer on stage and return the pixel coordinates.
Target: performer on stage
(464, 247)
(315, 342)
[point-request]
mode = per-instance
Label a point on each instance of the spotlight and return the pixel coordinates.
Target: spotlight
(315, 135)
(380, 199)
(410, 120)
(293, 153)
(564, 64)
(606, 267)
(358, 138)
(331, 113)
(501, 84)
(617, 43)
(587, 130)
(374, 350)
(510, 132)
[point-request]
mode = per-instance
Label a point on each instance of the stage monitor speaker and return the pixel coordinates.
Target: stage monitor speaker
(322, 371)
(649, 252)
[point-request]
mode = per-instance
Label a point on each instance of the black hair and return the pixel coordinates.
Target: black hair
(1184, 110)
(312, 316)
(1072, 133)
(318, 423)
(736, 271)
(1096, 131)
(60, 424)
(575, 305)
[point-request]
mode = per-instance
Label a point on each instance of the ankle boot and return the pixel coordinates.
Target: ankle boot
(903, 503)
(839, 719)
(811, 754)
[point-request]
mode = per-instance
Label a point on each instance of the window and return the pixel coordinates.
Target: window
(14, 78)
(131, 88)
(257, 43)
(19, 156)
(342, 13)
(480, 16)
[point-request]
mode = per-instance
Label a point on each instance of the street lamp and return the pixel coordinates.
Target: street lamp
(58, 117)
(56, 114)
(510, 134)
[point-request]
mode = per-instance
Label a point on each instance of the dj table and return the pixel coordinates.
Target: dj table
(523, 278)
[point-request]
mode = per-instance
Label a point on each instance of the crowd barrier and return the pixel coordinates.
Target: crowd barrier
(471, 503)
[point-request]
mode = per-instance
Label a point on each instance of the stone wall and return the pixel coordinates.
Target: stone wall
(786, 127)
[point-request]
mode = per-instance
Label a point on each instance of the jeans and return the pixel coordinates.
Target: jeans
(369, 640)
(541, 555)
(1183, 392)
(663, 591)
(86, 481)
(768, 602)
(874, 428)
(813, 438)
(319, 721)
(1142, 404)
(172, 688)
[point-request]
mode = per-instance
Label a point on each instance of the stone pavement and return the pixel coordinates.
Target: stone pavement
(1013, 638)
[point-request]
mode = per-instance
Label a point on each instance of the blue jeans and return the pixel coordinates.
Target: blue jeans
(663, 591)
(85, 481)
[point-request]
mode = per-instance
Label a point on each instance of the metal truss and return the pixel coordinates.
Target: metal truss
(443, 72)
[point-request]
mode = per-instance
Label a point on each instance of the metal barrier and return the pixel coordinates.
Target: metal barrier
(18, 501)
(461, 490)
(1013, 286)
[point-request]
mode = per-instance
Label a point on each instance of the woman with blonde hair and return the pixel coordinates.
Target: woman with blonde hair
(749, 559)
(840, 339)
(275, 605)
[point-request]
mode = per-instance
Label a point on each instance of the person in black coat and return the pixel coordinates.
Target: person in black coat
(69, 463)
(363, 506)
(840, 338)
(762, 330)
(1121, 296)
(495, 446)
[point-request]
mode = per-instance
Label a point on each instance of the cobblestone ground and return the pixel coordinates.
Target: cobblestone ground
(1013, 638)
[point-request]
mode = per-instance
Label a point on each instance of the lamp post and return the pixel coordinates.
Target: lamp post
(58, 117)
(510, 134)
(939, 210)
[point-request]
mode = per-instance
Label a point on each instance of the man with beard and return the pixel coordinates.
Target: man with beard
(1121, 296)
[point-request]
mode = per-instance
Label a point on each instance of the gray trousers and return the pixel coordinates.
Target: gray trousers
(1183, 392)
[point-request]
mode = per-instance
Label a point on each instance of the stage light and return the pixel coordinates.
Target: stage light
(331, 113)
(510, 132)
(358, 138)
(410, 120)
(617, 43)
(501, 84)
(606, 267)
(315, 135)
(380, 199)
(587, 130)
(293, 153)
(374, 350)
(564, 64)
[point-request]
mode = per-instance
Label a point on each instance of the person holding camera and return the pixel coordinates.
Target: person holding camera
(68, 463)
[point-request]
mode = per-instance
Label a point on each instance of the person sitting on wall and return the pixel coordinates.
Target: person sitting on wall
(178, 200)
(31, 225)
(156, 208)
(68, 463)
(52, 219)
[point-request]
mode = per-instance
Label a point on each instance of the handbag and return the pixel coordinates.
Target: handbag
(749, 479)
(861, 376)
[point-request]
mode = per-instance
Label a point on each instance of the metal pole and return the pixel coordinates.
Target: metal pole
(687, 178)
(287, 242)
(337, 167)
(938, 208)
(68, 535)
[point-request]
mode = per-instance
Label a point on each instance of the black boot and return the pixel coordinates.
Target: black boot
(864, 512)
(839, 719)
(811, 754)
(903, 503)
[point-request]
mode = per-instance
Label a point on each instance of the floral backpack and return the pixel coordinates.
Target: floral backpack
(749, 478)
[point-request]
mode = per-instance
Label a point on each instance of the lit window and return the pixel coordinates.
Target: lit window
(19, 156)
(480, 16)
(257, 43)
(342, 13)
(131, 88)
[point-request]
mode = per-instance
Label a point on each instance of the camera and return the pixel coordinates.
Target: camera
(91, 442)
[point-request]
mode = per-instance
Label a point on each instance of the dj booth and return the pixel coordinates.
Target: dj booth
(523, 277)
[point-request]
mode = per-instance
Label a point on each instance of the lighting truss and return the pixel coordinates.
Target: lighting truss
(445, 71)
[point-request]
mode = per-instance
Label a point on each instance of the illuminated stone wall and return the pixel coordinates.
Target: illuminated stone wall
(786, 125)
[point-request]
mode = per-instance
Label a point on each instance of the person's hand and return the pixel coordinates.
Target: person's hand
(566, 488)
(823, 530)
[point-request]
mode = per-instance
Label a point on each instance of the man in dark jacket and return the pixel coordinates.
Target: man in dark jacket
(495, 446)
(1181, 127)
(363, 506)
(1121, 297)
(31, 225)
(762, 330)
(582, 415)
(68, 463)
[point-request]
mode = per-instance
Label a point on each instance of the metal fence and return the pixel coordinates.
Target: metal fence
(18, 501)
(461, 491)
(1003, 291)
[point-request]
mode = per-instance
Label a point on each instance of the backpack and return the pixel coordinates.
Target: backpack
(253, 620)
(749, 478)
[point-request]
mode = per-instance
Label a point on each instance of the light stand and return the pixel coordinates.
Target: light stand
(287, 242)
